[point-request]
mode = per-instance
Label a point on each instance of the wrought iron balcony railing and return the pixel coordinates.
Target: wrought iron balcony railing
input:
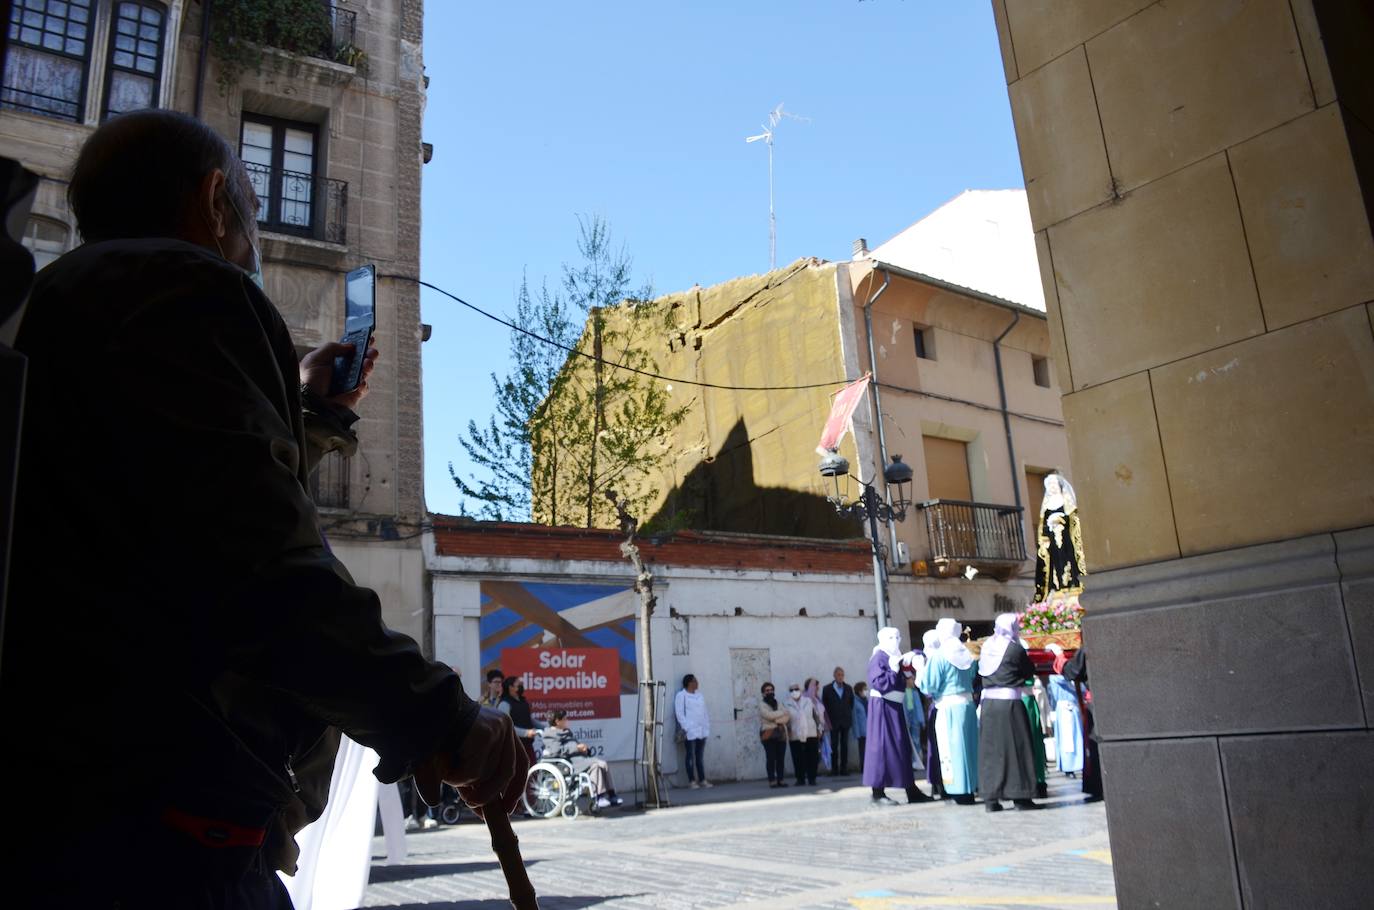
(329, 35)
(343, 30)
(969, 532)
(303, 204)
(19, 99)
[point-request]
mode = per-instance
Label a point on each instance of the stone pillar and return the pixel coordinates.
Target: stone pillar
(1201, 181)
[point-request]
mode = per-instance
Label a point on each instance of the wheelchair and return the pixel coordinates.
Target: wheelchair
(552, 788)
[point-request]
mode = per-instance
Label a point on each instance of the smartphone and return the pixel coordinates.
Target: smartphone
(360, 318)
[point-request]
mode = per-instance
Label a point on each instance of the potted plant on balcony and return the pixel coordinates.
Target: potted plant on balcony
(349, 54)
(1057, 620)
(241, 29)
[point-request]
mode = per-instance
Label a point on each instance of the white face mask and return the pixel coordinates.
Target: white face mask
(255, 273)
(796, 693)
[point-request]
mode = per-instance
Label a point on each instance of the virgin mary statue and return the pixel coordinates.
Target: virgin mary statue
(1059, 566)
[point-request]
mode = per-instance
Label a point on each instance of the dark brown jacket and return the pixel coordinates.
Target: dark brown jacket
(180, 641)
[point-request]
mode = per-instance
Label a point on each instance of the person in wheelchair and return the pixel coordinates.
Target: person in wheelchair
(559, 742)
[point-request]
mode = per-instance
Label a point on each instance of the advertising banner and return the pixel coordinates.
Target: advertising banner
(573, 646)
(585, 682)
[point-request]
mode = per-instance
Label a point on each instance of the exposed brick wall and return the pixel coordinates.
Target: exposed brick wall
(502, 540)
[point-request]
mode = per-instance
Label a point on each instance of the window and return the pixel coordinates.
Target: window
(280, 157)
(925, 342)
(45, 69)
(329, 483)
(1035, 492)
(135, 65)
(947, 474)
(1040, 366)
(45, 238)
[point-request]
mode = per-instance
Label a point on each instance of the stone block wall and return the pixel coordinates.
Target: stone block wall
(1199, 175)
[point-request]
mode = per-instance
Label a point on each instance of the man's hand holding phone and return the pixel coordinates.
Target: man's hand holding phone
(317, 372)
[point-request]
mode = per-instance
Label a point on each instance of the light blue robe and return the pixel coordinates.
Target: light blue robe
(956, 726)
(1068, 728)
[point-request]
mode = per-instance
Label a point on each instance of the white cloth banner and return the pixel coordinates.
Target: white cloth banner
(336, 850)
(841, 414)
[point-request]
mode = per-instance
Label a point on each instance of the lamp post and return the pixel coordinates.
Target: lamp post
(872, 506)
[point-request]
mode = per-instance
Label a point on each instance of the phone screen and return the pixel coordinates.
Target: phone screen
(360, 318)
(358, 294)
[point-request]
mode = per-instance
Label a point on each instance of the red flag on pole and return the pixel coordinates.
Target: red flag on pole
(842, 414)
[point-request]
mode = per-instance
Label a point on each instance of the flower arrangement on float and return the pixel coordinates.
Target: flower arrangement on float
(1058, 621)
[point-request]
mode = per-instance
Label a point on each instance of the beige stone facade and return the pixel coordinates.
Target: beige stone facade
(745, 461)
(351, 197)
(1200, 177)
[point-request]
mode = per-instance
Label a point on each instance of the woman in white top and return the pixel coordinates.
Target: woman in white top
(690, 707)
(806, 726)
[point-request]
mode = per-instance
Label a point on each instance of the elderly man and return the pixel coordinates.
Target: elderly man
(560, 742)
(192, 652)
(838, 701)
(887, 752)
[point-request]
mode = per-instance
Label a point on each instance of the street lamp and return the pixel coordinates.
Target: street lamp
(871, 506)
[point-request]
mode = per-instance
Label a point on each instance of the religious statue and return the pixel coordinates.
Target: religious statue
(1059, 565)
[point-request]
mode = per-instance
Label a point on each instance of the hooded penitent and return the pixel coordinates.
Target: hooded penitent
(951, 648)
(890, 643)
(1006, 630)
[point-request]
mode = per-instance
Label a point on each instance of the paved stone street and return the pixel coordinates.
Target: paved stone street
(743, 845)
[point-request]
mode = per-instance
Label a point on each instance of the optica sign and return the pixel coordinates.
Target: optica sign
(585, 682)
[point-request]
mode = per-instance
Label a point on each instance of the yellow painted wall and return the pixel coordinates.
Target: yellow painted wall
(745, 460)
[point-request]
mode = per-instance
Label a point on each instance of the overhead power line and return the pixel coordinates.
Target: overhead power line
(617, 366)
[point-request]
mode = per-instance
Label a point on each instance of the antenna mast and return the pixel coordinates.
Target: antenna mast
(774, 118)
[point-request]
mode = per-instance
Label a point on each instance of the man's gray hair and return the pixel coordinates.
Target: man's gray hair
(138, 174)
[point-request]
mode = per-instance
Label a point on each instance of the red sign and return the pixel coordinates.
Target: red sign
(585, 682)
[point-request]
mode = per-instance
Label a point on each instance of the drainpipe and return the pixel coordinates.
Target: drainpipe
(1006, 415)
(204, 54)
(878, 405)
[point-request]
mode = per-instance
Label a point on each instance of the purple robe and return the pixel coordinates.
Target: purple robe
(887, 752)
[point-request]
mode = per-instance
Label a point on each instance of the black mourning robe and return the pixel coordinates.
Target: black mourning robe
(1076, 672)
(1006, 752)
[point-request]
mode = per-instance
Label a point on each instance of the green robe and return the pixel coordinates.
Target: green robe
(1037, 734)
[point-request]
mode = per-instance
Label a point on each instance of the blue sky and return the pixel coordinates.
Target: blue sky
(637, 112)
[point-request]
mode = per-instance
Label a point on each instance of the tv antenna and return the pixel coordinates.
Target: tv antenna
(774, 118)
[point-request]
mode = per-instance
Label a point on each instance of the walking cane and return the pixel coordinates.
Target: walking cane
(506, 846)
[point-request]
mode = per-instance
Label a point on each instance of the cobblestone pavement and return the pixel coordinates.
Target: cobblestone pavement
(743, 845)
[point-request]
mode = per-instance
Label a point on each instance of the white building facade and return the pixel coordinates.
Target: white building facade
(733, 610)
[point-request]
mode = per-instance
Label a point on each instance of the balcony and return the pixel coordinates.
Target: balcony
(988, 537)
(315, 29)
(339, 44)
(300, 204)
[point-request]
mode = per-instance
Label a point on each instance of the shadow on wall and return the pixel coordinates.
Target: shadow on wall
(720, 494)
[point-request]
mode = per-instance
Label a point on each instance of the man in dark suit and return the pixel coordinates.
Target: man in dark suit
(838, 699)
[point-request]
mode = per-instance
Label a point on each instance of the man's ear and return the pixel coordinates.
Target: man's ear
(211, 205)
